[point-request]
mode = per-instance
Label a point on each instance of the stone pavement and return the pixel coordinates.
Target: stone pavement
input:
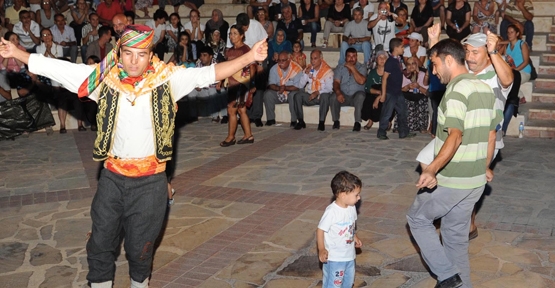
(245, 215)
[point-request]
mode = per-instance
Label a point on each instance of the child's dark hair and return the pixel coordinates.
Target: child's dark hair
(298, 42)
(344, 182)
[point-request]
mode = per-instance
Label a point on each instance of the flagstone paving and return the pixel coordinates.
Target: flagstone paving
(245, 215)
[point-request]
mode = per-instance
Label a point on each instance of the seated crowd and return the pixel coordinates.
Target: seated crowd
(393, 41)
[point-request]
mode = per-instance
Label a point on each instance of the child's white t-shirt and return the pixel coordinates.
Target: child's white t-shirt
(339, 227)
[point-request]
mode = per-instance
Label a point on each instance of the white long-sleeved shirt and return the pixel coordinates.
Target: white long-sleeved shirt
(133, 137)
(327, 82)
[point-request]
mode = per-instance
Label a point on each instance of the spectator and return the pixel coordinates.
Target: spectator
(396, 4)
(348, 86)
(12, 14)
(185, 51)
(297, 55)
(172, 31)
(262, 17)
(415, 49)
(373, 89)
(107, 10)
(414, 92)
(309, 13)
(129, 17)
(518, 54)
(28, 31)
(195, 28)
(240, 89)
(422, 17)
(519, 13)
(64, 36)
(143, 5)
(119, 22)
(338, 16)
(439, 11)
(217, 22)
(392, 96)
(283, 83)
(483, 16)
(458, 20)
(101, 46)
(218, 46)
(318, 79)
(61, 6)
(356, 36)
(45, 17)
(324, 7)
(254, 31)
(158, 24)
(89, 33)
(275, 10)
(367, 8)
(128, 6)
(191, 4)
(293, 27)
(257, 5)
(383, 27)
(10, 67)
(402, 26)
(80, 14)
(34, 5)
(278, 45)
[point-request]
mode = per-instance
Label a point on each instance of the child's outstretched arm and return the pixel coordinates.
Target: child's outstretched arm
(358, 242)
(322, 252)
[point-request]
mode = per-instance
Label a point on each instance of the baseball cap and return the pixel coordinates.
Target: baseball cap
(416, 36)
(475, 40)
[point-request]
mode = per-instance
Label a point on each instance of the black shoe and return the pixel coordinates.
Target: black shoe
(248, 140)
(451, 282)
(94, 128)
(356, 128)
(293, 124)
(321, 126)
(300, 125)
(383, 137)
(270, 122)
(410, 135)
(258, 122)
(335, 125)
(224, 120)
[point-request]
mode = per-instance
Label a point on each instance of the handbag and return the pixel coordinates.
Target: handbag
(533, 73)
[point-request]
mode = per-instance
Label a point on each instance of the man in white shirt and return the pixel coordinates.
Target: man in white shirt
(254, 31)
(356, 35)
(90, 33)
(383, 26)
(319, 77)
(65, 37)
(28, 31)
(367, 8)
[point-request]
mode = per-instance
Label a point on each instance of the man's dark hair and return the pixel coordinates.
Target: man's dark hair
(93, 13)
(449, 47)
(206, 49)
(59, 15)
(159, 14)
(104, 30)
(242, 19)
(23, 12)
(344, 182)
(130, 14)
(8, 35)
(394, 43)
(94, 58)
(350, 50)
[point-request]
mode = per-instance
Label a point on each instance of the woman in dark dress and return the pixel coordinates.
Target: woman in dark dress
(240, 90)
(309, 13)
(371, 109)
(338, 16)
(422, 17)
(458, 20)
(415, 93)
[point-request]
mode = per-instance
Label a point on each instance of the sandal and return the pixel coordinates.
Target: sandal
(248, 140)
(227, 144)
(367, 127)
(81, 128)
(63, 130)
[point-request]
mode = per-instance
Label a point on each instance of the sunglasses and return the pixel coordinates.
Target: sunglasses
(44, 35)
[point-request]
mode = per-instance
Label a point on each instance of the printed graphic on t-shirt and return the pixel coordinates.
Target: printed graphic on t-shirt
(347, 232)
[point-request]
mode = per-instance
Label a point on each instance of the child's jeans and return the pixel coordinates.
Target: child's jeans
(338, 274)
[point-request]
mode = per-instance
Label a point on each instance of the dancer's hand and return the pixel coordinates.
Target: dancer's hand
(260, 50)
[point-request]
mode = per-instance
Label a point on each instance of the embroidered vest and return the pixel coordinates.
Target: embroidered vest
(163, 118)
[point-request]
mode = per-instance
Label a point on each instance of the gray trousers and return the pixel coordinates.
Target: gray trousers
(71, 52)
(256, 110)
(454, 207)
(301, 98)
(206, 102)
(356, 100)
(270, 101)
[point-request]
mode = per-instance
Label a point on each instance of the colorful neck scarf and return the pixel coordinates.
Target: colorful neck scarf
(134, 36)
(317, 79)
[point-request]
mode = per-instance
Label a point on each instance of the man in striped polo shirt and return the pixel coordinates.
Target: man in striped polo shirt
(464, 146)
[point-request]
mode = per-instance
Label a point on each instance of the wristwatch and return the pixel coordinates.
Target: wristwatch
(492, 52)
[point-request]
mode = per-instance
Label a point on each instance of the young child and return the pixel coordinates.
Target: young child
(336, 237)
(298, 55)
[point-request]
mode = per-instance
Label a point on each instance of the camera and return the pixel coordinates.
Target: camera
(384, 12)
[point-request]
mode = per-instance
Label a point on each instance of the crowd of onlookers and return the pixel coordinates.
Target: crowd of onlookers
(366, 27)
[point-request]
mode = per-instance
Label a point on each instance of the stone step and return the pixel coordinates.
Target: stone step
(547, 58)
(547, 84)
(549, 48)
(545, 70)
(539, 129)
(543, 97)
(540, 111)
(551, 38)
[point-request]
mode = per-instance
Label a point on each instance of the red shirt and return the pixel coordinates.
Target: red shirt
(107, 13)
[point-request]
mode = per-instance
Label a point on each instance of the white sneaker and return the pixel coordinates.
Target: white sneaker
(324, 45)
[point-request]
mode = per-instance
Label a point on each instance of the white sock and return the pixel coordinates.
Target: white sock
(107, 284)
(135, 284)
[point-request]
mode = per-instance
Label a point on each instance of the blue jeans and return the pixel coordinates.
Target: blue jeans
(454, 206)
(397, 103)
(313, 28)
(364, 47)
(338, 274)
(134, 206)
(528, 31)
(508, 114)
